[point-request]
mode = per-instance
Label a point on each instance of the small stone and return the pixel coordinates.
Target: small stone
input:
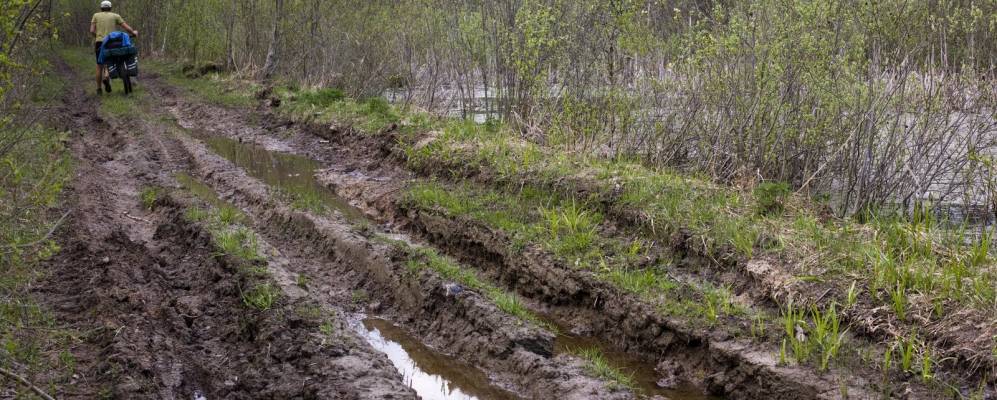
(453, 289)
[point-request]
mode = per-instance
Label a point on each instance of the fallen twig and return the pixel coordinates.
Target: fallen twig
(25, 382)
(129, 216)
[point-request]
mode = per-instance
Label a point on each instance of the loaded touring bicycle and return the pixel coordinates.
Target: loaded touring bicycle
(121, 58)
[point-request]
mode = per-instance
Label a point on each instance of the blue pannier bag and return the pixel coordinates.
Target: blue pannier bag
(117, 48)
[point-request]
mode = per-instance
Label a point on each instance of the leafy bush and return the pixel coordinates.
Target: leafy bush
(771, 197)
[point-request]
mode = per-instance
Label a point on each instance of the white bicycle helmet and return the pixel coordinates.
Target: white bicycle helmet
(105, 4)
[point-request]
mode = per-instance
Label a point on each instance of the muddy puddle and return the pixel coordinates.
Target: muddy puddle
(291, 175)
(643, 374)
(434, 376)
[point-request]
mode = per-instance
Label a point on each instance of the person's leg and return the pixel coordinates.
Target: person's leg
(100, 68)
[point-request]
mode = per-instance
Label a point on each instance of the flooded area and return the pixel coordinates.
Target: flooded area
(434, 376)
(291, 175)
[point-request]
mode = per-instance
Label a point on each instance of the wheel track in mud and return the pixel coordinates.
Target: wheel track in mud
(514, 354)
(741, 368)
(160, 314)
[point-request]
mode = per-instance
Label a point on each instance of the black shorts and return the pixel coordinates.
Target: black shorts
(96, 50)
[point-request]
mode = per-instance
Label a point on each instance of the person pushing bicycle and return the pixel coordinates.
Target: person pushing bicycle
(102, 24)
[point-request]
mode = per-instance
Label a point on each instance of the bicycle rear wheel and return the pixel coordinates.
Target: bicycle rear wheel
(123, 73)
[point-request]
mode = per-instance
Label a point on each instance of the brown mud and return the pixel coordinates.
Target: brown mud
(364, 169)
(160, 313)
(369, 172)
(342, 260)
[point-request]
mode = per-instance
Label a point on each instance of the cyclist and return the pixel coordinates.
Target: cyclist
(102, 24)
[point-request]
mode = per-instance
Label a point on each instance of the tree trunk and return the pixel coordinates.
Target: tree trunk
(230, 35)
(273, 54)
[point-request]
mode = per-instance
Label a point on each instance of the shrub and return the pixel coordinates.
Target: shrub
(771, 197)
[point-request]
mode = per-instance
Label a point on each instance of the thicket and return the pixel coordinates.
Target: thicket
(881, 103)
(33, 170)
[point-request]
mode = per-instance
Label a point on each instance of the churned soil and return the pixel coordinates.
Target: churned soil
(159, 311)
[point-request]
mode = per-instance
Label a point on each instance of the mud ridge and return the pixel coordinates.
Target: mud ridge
(466, 324)
(369, 170)
(726, 364)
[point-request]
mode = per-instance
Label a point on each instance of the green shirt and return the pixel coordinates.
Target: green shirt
(106, 22)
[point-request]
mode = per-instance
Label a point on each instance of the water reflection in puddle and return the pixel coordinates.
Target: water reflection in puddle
(288, 173)
(434, 376)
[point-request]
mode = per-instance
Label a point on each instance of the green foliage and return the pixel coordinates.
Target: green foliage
(771, 197)
(322, 97)
(34, 168)
(426, 258)
(149, 196)
(219, 88)
(261, 296)
(816, 334)
(229, 215)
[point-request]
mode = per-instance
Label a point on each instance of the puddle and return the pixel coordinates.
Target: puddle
(291, 174)
(643, 373)
(434, 376)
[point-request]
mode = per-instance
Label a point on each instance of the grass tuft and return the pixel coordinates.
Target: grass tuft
(598, 365)
(262, 296)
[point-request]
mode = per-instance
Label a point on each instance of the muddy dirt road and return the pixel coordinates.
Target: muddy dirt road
(215, 252)
(168, 313)
(161, 309)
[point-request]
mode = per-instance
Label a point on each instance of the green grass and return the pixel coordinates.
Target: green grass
(813, 334)
(195, 214)
(597, 365)
(723, 222)
(238, 242)
(321, 97)
(569, 230)
(229, 215)
(422, 258)
(215, 88)
(261, 296)
(49, 86)
(328, 105)
(149, 196)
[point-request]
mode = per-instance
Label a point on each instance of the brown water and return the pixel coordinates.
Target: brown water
(434, 376)
(288, 173)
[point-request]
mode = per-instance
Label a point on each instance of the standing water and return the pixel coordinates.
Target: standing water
(434, 376)
(290, 174)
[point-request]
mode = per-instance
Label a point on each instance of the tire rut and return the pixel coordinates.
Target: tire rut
(160, 313)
